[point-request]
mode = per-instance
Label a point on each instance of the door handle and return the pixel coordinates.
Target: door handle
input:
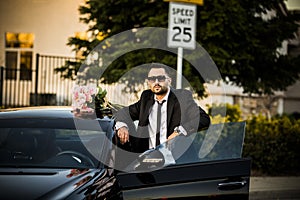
(232, 185)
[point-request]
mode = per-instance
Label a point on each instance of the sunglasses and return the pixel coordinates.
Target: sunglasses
(159, 78)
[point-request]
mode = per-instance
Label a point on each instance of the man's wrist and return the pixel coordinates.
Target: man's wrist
(180, 130)
(119, 125)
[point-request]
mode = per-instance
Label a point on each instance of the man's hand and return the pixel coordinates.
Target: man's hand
(123, 135)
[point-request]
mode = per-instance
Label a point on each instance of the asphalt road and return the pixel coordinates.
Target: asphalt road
(279, 188)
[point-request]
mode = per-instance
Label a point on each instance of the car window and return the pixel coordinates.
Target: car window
(218, 142)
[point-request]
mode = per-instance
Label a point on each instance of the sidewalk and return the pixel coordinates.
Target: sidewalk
(274, 188)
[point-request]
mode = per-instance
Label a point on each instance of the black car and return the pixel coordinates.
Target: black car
(47, 153)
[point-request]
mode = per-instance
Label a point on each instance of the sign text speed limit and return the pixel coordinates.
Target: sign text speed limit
(182, 25)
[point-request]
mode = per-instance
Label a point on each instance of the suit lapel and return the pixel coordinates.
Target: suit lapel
(149, 101)
(170, 106)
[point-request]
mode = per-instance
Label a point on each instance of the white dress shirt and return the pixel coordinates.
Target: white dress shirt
(163, 123)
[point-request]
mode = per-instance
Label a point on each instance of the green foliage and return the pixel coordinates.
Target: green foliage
(273, 145)
(100, 100)
(243, 45)
(225, 113)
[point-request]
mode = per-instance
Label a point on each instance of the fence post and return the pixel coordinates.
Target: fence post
(1, 84)
(36, 79)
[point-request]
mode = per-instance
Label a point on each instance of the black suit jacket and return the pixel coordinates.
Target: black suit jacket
(181, 110)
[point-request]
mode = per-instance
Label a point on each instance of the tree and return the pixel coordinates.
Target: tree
(238, 36)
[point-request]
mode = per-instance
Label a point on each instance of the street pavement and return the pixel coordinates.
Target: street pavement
(279, 188)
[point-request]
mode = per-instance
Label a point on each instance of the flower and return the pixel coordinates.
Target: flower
(82, 99)
(90, 101)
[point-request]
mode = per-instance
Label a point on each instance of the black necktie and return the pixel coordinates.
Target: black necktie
(159, 105)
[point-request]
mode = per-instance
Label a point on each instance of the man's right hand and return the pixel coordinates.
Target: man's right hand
(123, 135)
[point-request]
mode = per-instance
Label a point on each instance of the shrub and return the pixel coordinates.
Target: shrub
(273, 145)
(224, 113)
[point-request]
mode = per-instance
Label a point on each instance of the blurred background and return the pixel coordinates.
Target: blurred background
(254, 44)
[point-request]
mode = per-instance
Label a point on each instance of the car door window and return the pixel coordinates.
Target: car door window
(218, 142)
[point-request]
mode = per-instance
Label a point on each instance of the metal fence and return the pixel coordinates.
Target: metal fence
(51, 88)
(43, 86)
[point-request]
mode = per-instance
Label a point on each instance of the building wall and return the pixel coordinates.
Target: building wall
(292, 99)
(292, 94)
(51, 21)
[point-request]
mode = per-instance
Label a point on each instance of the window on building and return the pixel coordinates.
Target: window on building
(19, 40)
(11, 64)
(19, 55)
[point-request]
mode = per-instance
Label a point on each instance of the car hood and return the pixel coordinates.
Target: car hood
(43, 183)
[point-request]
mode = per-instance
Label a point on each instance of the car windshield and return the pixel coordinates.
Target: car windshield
(66, 143)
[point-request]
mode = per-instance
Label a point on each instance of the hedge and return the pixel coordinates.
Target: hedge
(273, 144)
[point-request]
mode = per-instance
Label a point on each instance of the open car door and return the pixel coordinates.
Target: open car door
(204, 165)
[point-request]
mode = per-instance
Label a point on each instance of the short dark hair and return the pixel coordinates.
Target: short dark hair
(160, 65)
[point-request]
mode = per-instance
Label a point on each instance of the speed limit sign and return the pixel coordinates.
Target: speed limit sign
(182, 25)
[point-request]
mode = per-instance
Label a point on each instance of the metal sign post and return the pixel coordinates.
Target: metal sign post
(181, 32)
(179, 68)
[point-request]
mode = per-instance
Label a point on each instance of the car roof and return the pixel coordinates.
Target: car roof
(37, 112)
(51, 117)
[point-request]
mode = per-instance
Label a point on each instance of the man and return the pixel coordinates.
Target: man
(179, 113)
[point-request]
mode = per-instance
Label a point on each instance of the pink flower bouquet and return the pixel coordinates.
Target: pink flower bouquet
(83, 96)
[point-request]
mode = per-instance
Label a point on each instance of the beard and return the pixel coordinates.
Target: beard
(159, 90)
